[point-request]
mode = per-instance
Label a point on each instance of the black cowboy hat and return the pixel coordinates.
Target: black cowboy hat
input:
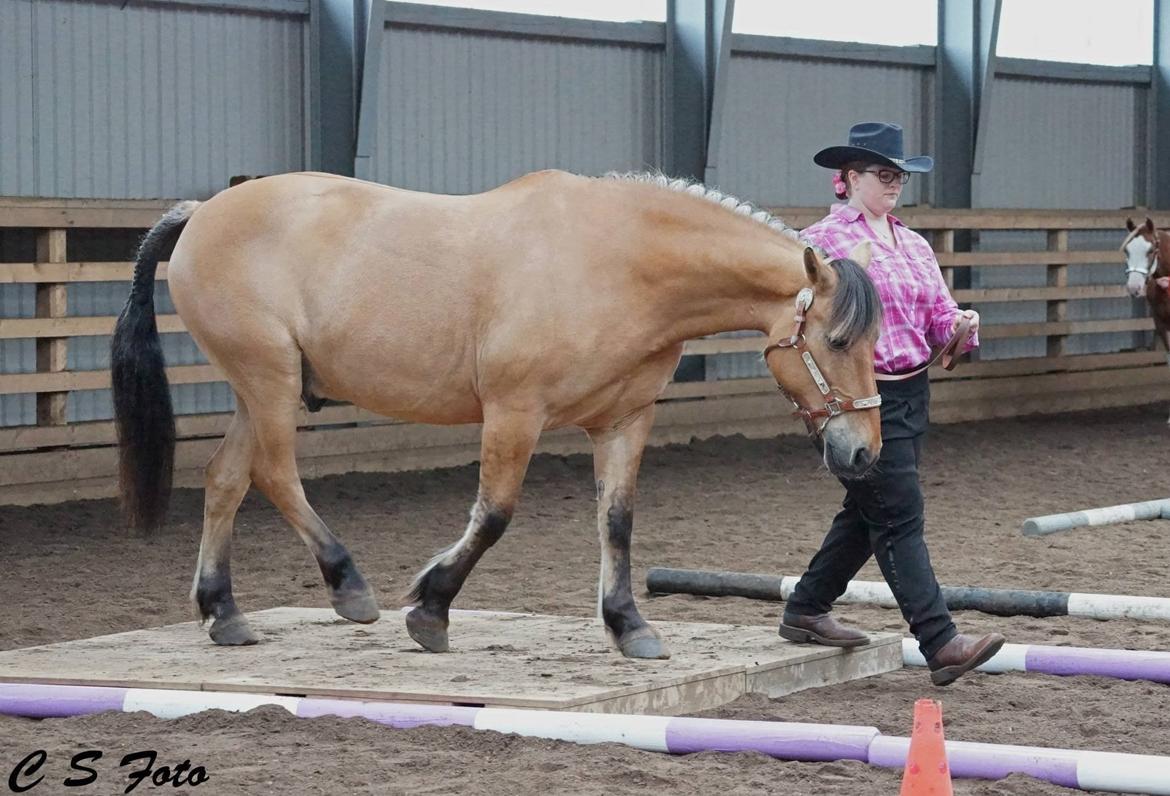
(873, 142)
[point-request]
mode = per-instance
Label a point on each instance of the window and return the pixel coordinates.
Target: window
(1118, 33)
(905, 22)
(610, 10)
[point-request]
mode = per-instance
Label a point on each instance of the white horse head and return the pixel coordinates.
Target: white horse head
(1140, 252)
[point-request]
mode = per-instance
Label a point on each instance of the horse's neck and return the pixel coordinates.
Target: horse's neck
(715, 272)
(722, 275)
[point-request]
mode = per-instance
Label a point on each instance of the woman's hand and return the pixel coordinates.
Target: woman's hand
(970, 315)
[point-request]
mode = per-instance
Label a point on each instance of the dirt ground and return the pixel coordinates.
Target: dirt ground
(68, 571)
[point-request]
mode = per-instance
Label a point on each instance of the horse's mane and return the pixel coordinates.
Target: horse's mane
(695, 188)
(856, 310)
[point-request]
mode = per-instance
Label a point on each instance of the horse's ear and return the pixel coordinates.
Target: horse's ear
(1129, 225)
(1149, 225)
(813, 267)
(861, 253)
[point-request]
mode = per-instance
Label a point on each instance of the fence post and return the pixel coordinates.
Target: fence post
(1057, 277)
(945, 244)
(52, 352)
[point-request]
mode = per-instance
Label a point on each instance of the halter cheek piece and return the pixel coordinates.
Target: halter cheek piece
(835, 404)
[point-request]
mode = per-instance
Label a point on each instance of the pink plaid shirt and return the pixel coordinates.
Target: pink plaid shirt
(918, 309)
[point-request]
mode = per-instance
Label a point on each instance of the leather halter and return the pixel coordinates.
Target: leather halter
(835, 404)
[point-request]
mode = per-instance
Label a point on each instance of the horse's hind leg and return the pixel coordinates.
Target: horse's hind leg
(274, 471)
(226, 483)
(617, 454)
(506, 448)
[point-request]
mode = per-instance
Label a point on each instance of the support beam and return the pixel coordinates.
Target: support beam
(686, 88)
(987, 25)
(1159, 155)
(718, 63)
(368, 58)
(967, 32)
(698, 48)
(333, 86)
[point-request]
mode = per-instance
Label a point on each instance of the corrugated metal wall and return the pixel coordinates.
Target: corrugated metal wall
(462, 111)
(1055, 143)
(18, 356)
(154, 101)
(1065, 144)
(780, 110)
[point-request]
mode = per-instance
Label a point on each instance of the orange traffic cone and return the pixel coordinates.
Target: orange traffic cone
(927, 772)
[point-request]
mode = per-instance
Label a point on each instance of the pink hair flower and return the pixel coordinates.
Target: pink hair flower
(838, 184)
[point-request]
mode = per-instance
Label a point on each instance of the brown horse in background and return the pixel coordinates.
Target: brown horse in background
(1147, 255)
(554, 300)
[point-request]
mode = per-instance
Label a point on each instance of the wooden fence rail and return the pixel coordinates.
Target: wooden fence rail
(55, 459)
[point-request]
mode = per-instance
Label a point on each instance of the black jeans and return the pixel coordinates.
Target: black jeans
(882, 515)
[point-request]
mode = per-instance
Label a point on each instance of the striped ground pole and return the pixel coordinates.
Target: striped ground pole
(1002, 602)
(1087, 770)
(1066, 661)
(1126, 512)
(1102, 771)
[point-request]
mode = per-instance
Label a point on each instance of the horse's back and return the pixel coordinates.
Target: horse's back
(326, 273)
(408, 303)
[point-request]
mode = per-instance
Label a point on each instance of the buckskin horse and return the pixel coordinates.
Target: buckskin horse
(1147, 267)
(554, 300)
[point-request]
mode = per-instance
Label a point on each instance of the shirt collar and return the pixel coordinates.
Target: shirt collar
(850, 214)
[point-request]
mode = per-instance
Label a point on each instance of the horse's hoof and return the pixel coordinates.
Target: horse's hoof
(644, 644)
(232, 631)
(360, 607)
(427, 629)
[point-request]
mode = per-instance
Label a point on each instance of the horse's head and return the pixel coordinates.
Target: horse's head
(1141, 251)
(823, 360)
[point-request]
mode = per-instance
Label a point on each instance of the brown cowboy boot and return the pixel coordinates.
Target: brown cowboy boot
(820, 629)
(962, 654)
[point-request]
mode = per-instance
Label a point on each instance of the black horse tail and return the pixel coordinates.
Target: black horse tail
(143, 414)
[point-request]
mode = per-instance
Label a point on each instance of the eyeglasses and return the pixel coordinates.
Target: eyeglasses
(887, 176)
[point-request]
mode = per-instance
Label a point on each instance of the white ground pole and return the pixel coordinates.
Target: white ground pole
(1126, 512)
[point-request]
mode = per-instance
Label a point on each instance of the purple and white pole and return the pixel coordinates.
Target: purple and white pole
(1121, 664)
(1104, 771)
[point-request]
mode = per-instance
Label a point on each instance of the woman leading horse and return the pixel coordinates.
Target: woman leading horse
(555, 300)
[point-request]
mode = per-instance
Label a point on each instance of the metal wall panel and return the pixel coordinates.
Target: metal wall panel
(462, 111)
(102, 99)
(1064, 144)
(1060, 144)
(17, 166)
(780, 110)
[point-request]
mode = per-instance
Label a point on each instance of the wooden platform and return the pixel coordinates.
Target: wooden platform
(497, 660)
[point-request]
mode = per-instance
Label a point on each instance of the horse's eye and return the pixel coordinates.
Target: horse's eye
(837, 345)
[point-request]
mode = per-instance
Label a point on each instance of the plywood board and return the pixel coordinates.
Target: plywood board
(497, 659)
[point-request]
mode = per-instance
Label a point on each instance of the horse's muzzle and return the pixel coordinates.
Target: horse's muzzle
(846, 459)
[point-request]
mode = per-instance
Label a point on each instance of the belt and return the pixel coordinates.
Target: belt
(948, 354)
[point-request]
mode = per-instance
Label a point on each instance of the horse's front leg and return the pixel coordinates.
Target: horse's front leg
(617, 453)
(506, 448)
(1162, 330)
